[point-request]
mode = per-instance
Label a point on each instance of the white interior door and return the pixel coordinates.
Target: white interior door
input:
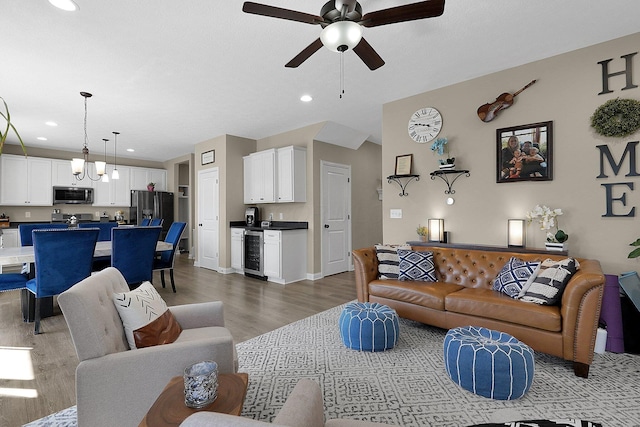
(336, 218)
(208, 219)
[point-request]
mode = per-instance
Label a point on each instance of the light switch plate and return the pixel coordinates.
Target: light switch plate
(395, 213)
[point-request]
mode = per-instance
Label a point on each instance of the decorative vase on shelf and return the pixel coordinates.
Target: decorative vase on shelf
(151, 188)
(447, 163)
(423, 238)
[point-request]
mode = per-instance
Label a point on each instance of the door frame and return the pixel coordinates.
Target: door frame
(323, 168)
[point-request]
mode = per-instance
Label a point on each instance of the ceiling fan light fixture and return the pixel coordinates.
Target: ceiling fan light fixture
(67, 5)
(342, 35)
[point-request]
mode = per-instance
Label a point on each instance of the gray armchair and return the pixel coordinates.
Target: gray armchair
(116, 386)
(304, 408)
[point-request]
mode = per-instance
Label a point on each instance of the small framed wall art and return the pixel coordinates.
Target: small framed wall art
(208, 157)
(525, 153)
(403, 164)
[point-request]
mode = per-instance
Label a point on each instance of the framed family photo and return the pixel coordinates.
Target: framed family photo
(525, 153)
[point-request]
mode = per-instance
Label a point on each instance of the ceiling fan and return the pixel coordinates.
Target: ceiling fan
(342, 22)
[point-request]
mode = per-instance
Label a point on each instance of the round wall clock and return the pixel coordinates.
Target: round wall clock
(425, 125)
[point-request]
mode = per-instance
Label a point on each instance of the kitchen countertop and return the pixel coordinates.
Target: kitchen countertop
(275, 225)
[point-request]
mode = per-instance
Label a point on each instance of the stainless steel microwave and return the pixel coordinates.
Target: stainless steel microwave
(72, 195)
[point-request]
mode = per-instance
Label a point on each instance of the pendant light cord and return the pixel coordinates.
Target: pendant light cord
(341, 74)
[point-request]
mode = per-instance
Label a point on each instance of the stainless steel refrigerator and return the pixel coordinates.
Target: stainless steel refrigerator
(152, 204)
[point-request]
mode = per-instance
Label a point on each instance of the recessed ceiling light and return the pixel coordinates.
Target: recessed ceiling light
(306, 98)
(131, 150)
(53, 124)
(41, 138)
(68, 5)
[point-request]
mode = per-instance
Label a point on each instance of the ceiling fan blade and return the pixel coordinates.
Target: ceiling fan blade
(278, 12)
(305, 54)
(409, 12)
(368, 55)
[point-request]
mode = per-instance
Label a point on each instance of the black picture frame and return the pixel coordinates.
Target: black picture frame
(208, 157)
(403, 164)
(527, 165)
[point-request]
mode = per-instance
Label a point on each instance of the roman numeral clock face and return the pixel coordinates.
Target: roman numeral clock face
(425, 125)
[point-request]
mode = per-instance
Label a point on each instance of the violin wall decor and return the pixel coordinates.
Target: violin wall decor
(489, 111)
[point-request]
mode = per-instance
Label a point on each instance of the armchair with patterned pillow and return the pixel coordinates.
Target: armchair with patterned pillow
(117, 379)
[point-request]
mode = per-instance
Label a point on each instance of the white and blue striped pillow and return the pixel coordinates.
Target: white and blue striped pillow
(388, 261)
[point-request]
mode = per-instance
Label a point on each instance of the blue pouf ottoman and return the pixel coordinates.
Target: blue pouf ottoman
(489, 363)
(367, 326)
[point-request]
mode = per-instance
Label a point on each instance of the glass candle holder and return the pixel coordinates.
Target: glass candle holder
(201, 384)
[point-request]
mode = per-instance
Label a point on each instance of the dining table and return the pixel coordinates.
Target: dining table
(26, 255)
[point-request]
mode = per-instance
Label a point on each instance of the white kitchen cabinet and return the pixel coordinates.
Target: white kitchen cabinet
(116, 192)
(237, 246)
(285, 255)
(259, 177)
(62, 175)
(25, 181)
(292, 174)
(140, 177)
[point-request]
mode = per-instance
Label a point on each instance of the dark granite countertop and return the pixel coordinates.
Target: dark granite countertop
(275, 225)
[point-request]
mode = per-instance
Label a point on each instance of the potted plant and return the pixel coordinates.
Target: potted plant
(636, 252)
(422, 232)
(3, 134)
(548, 219)
(441, 147)
(151, 186)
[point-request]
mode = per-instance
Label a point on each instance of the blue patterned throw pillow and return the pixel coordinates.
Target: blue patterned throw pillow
(514, 276)
(416, 265)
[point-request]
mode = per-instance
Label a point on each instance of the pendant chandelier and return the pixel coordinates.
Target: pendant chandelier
(115, 174)
(80, 166)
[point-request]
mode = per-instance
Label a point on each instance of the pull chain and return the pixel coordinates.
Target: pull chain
(341, 74)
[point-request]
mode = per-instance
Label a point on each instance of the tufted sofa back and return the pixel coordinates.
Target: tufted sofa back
(94, 323)
(474, 268)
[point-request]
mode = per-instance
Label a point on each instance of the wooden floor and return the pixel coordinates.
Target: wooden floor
(37, 372)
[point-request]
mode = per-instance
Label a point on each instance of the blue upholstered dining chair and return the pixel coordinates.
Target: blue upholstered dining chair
(166, 259)
(132, 252)
(25, 230)
(13, 281)
(155, 222)
(63, 258)
(104, 227)
(145, 222)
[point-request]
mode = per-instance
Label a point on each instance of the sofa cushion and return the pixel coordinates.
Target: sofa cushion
(515, 276)
(416, 266)
(490, 304)
(426, 294)
(549, 284)
(146, 319)
(388, 261)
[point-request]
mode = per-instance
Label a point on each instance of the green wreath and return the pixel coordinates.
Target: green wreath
(617, 117)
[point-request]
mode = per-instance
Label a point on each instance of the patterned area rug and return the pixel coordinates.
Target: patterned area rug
(408, 386)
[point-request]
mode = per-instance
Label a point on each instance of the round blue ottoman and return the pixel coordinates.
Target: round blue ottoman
(489, 363)
(367, 326)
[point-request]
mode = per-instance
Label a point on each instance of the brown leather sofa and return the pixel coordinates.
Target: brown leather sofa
(463, 296)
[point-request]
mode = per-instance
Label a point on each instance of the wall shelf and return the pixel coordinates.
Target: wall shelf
(449, 177)
(400, 180)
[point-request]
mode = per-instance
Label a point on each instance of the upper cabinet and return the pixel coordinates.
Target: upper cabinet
(62, 175)
(25, 181)
(292, 174)
(141, 177)
(114, 193)
(259, 177)
(276, 176)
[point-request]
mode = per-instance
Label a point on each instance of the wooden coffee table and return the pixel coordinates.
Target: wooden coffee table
(169, 408)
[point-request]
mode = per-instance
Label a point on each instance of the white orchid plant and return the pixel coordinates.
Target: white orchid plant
(548, 219)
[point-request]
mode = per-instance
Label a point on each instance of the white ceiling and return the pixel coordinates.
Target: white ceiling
(170, 74)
